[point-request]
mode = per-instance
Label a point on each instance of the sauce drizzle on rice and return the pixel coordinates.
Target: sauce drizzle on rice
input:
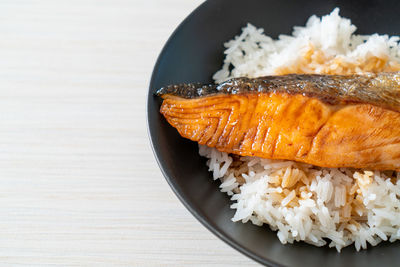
(315, 61)
(302, 202)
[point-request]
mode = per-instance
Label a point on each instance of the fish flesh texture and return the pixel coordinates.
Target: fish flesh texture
(325, 120)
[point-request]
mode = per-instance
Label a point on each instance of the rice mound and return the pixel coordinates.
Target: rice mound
(302, 202)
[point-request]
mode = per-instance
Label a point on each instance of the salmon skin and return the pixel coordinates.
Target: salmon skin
(325, 120)
(380, 89)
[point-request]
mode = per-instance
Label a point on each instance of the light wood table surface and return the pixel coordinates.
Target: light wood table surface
(79, 185)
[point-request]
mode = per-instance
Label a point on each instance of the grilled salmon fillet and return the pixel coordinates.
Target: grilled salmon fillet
(327, 121)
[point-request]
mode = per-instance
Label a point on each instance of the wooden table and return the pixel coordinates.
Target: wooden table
(79, 185)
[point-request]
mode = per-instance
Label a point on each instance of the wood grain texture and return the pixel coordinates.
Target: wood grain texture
(79, 185)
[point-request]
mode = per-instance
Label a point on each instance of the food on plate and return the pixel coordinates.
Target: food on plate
(327, 171)
(325, 120)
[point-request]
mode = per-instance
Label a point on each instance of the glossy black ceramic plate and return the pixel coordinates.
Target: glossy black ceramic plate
(193, 53)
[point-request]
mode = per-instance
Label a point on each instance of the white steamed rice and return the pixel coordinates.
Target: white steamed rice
(302, 202)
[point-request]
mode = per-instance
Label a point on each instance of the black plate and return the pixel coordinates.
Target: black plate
(193, 53)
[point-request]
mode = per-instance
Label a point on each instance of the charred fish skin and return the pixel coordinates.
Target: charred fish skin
(381, 89)
(188, 90)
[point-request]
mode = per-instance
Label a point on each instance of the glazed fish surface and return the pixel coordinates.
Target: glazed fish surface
(325, 120)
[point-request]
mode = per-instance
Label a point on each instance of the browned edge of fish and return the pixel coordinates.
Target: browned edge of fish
(380, 89)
